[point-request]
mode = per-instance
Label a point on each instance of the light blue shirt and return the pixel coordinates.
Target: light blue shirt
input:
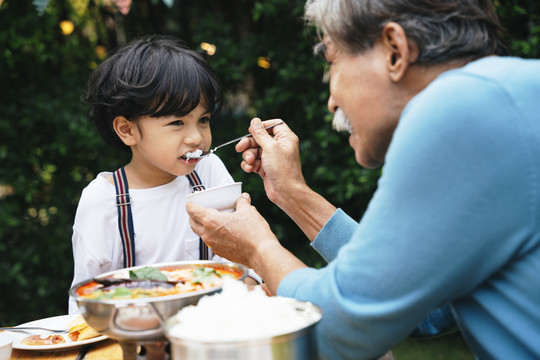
(455, 219)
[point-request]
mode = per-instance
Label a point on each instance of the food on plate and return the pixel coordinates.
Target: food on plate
(43, 340)
(151, 282)
(79, 330)
(239, 314)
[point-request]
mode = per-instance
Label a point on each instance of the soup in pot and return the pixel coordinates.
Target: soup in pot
(151, 282)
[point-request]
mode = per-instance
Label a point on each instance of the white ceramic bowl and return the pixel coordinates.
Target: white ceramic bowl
(6, 341)
(222, 198)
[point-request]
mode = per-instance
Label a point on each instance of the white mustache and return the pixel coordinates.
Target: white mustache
(341, 122)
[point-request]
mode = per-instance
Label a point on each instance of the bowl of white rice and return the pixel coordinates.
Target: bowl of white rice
(243, 324)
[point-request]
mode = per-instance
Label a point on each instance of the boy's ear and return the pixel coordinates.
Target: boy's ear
(125, 130)
(400, 52)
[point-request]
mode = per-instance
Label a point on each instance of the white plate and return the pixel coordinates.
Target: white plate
(56, 322)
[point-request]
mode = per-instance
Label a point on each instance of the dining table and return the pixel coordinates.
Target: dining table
(108, 349)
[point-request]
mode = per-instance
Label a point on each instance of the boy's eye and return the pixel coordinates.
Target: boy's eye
(176, 122)
(204, 120)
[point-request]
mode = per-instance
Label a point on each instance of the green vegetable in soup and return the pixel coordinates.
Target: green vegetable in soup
(205, 274)
(147, 273)
(117, 293)
(120, 293)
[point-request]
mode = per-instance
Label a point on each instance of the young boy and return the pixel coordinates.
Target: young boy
(155, 98)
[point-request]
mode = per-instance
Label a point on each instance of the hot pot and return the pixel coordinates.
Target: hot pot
(140, 323)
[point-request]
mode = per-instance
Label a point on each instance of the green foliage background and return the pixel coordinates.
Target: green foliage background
(49, 152)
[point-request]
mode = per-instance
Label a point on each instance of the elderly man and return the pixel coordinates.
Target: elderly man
(456, 216)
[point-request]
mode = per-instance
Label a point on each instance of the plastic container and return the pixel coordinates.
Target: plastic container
(222, 198)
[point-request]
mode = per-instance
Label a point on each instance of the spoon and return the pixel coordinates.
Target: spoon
(200, 154)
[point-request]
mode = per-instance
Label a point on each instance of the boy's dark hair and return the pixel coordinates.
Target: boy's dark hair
(153, 76)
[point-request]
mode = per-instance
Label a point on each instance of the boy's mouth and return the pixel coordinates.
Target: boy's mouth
(188, 160)
(191, 157)
(193, 154)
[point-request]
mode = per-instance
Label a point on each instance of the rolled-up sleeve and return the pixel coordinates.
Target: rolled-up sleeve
(337, 232)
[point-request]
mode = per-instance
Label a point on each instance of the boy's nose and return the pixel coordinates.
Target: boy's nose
(193, 137)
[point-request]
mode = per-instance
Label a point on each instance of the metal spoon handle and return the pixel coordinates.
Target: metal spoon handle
(22, 328)
(241, 137)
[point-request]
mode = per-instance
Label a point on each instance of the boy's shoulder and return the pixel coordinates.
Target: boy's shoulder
(96, 202)
(99, 187)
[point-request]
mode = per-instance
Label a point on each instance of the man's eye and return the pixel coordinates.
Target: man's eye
(204, 120)
(320, 50)
(176, 123)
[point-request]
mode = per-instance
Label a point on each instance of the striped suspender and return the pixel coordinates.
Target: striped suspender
(196, 184)
(125, 218)
(195, 181)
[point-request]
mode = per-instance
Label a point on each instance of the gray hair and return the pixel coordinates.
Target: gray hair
(443, 30)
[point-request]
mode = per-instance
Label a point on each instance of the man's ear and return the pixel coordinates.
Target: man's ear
(126, 130)
(400, 52)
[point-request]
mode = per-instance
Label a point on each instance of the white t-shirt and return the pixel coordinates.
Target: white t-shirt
(160, 221)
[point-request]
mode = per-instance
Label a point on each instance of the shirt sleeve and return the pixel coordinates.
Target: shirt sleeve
(86, 267)
(337, 232)
(92, 241)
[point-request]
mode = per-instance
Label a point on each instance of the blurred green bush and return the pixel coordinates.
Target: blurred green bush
(49, 152)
